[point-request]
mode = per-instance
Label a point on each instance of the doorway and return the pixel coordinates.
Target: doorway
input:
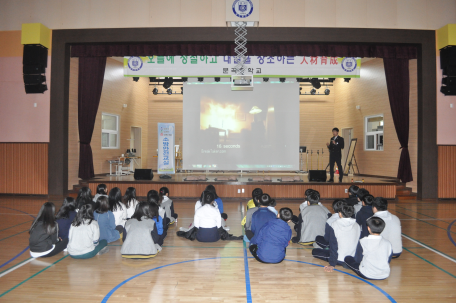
(135, 143)
(347, 134)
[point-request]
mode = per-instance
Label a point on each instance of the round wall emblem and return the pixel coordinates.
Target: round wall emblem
(135, 63)
(242, 8)
(349, 64)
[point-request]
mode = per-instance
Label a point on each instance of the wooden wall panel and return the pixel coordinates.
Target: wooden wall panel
(287, 191)
(447, 172)
(370, 93)
(24, 168)
(117, 91)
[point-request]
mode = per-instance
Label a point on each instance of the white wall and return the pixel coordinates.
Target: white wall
(68, 14)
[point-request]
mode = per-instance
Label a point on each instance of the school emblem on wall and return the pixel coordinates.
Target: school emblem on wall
(349, 64)
(135, 63)
(242, 8)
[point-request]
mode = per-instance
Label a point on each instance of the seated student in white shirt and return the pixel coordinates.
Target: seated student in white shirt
(130, 201)
(392, 231)
(167, 204)
(207, 219)
(117, 207)
(373, 254)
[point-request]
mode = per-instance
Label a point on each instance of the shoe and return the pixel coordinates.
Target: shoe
(226, 228)
(330, 180)
(103, 251)
(344, 265)
(294, 240)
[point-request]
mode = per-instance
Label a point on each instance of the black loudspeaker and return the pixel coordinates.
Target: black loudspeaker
(143, 174)
(35, 54)
(317, 175)
(35, 88)
(34, 63)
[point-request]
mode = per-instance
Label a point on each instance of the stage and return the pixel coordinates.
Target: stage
(385, 187)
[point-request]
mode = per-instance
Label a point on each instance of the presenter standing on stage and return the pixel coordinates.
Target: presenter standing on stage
(335, 154)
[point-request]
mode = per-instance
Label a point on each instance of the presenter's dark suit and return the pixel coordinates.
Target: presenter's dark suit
(335, 156)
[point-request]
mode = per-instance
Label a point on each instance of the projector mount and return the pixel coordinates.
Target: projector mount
(241, 81)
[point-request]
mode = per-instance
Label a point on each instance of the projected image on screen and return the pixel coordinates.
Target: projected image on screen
(241, 130)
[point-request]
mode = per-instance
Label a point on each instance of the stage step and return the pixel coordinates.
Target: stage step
(404, 193)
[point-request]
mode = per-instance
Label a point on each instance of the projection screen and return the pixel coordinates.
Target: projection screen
(241, 130)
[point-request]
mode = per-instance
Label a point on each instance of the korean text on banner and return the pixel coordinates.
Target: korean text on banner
(257, 66)
(166, 148)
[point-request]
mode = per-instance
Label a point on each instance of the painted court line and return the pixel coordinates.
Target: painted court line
(449, 232)
(14, 235)
(430, 248)
(4, 273)
(430, 263)
(32, 276)
(16, 225)
(421, 220)
(424, 214)
(15, 257)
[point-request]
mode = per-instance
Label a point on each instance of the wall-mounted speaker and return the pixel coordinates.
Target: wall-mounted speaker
(34, 63)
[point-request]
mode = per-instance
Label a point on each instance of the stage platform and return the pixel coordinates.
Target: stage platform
(242, 188)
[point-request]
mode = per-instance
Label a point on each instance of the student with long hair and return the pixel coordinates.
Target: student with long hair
(130, 201)
(218, 201)
(141, 231)
(167, 204)
(117, 207)
(84, 237)
(207, 219)
(84, 197)
(106, 221)
(44, 241)
(65, 216)
(159, 223)
(154, 197)
(102, 190)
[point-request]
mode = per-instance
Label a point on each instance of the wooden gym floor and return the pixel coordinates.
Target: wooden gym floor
(188, 271)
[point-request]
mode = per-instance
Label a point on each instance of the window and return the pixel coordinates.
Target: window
(109, 131)
(373, 132)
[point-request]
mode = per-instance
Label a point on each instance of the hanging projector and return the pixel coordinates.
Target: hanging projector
(241, 82)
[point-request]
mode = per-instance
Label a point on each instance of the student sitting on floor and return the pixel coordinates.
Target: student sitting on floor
(102, 190)
(252, 206)
(312, 223)
(298, 219)
(251, 203)
(154, 197)
(207, 219)
(167, 204)
(84, 197)
(130, 201)
(261, 216)
(65, 216)
(84, 238)
(373, 253)
(392, 231)
(44, 241)
(117, 207)
(159, 225)
(365, 213)
(106, 221)
(323, 241)
(343, 239)
(352, 195)
(361, 193)
(139, 234)
(219, 203)
(269, 244)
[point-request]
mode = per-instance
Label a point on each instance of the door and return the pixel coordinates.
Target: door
(347, 135)
(135, 143)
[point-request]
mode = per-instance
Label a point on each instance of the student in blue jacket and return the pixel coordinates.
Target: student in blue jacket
(106, 221)
(261, 216)
(269, 244)
(365, 213)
